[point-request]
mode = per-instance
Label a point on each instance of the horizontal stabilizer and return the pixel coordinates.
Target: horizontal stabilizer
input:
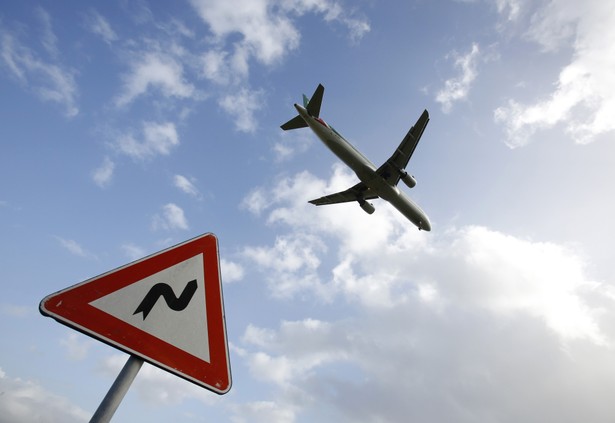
(295, 123)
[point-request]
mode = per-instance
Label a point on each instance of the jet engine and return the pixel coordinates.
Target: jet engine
(367, 207)
(407, 178)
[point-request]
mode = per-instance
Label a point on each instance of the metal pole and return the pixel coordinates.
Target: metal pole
(117, 391)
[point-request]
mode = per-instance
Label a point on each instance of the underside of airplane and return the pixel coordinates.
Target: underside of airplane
(374, 182)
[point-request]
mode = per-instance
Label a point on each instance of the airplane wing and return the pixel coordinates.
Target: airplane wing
(390, 170)
(360, 190)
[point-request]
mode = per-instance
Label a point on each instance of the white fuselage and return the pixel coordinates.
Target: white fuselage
(365, 170)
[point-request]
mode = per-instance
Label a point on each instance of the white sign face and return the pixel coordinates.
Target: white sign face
(166, 308)
(173, 306)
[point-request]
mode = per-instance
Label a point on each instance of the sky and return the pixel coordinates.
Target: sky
(129, 127)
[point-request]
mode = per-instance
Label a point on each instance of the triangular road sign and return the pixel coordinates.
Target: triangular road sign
(166, 308)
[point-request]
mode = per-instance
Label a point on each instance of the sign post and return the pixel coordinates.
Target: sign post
(166, 309)
(116, 393)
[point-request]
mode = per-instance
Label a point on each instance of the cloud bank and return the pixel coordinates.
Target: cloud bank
(28, 401)
(462, 324)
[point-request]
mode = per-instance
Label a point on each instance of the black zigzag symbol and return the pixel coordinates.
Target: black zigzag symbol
(165, 291)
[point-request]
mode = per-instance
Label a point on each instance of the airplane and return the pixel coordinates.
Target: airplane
(374, 182)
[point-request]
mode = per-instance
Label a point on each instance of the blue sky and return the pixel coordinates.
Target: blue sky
(128, 127)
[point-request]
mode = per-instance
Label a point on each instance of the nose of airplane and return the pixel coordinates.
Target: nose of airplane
(425, 225)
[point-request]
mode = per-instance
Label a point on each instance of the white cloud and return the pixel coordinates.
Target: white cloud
(171, 217)
(357, 28)
(17, 311)
(225, 69)
(98, 25)
(332, 11)
(48, 79)
(48, 37)
(216, 67)
(263, 31)
(471, 313)
(386, 263)
(291, 264)
(242, 105)
(511, 7)
(74, 247)
(291, 144)
(185, 185)
(158, 139)
(255, 202)
(543, 279)
(231, 271)
(581, 101)
(266, 30)
(155, 70)
(458, 88)
(293, 351)
(474, 361)
(132, 251)
(28, 401)
(102, 175)
(263, 412)
(76, 345)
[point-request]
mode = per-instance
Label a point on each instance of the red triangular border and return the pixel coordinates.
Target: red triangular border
(72, 308)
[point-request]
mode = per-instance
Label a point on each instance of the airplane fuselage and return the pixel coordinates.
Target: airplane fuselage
(365, 170)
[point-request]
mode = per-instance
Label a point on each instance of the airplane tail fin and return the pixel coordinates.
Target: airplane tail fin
(312, 105)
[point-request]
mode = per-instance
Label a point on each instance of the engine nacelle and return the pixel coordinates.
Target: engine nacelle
(407, 178)
(367, 207)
